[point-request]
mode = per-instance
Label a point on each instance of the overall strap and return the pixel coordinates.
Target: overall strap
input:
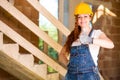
(90, 34)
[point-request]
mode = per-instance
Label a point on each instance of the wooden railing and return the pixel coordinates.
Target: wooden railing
(31, 48)
(36, 30)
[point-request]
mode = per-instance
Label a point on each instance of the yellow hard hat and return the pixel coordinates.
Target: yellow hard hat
(83, 8)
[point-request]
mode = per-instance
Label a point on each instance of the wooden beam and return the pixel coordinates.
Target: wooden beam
(60, 17)
(61, 10)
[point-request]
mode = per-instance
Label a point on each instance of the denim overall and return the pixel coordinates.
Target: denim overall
(81, 65)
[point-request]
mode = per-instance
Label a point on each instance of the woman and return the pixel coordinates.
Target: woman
(83, 45)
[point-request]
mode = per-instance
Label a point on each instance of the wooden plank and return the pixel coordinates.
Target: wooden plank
(51, 18)
(29, 24)
(61, 10)
(61, 19)
(31, 48)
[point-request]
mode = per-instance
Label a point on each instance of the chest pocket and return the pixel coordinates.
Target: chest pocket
(78, 56)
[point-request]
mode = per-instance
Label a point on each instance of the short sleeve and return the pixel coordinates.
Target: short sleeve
(96, 33)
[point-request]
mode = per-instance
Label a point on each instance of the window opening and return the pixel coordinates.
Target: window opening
(47, 26)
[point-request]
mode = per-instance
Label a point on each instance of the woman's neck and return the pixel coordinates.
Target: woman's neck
(86, 29)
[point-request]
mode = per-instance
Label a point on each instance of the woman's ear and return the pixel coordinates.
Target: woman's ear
(90, 17)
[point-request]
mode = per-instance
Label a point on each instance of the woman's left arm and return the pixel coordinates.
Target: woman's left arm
(103, 41)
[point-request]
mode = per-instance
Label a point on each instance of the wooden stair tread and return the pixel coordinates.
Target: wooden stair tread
(27, 60)
(40, 69)
(12, 50)
(53, 76)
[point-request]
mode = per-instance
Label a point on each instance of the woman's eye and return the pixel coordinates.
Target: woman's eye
(79, 17)
(85, 16)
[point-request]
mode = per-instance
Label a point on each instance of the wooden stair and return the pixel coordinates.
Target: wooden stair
(22, 65)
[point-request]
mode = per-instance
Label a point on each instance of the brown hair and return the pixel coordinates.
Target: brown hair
(73, 35)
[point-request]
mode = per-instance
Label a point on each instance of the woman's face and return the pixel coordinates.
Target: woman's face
(83, 20)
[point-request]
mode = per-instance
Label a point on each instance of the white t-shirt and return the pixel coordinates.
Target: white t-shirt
(94, 49)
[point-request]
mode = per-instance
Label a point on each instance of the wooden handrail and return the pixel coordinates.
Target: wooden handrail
(29, 24)
(50, 17)
(31, 48)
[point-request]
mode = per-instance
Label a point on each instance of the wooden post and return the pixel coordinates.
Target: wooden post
(45, 46)
(60, 17)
